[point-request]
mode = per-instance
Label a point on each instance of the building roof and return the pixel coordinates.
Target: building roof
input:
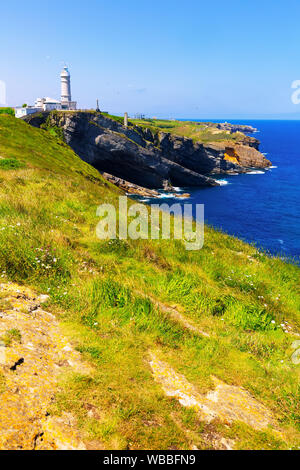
(65, 72)
(51, 101)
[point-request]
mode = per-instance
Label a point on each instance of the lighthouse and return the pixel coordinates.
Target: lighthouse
(50, 104)
(65, 81)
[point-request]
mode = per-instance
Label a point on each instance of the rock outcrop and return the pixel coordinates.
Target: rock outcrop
(120, 151)
(144, 158)
(130, 187)
(209, 159)
(33, 352)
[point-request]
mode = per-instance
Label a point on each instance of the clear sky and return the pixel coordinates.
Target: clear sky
(192, 58)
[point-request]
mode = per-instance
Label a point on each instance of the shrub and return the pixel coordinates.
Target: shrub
(249, 317)
(12, 335)
(7, 111)
(10, 164)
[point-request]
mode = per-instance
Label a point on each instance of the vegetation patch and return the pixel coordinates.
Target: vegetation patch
(7, 110)
(101, 291)
(10, 336)
(10, 164)
(197, 131)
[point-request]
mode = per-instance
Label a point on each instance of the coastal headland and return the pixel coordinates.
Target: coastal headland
(132, 344)
(155, 154)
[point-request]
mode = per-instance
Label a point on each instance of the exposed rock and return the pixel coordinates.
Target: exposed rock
(227, 126)
(147, 159)
(247, 157)
(183, 195)
(210, 159)
(226, 403)
(130, 187)
(43, 298)
(123, 152)
(29, 367)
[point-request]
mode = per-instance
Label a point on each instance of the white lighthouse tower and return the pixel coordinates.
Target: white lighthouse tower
(65, 80)
(50, 104)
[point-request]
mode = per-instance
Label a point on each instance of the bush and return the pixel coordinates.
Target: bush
(7, 111)
(10, 164)
(249, 317)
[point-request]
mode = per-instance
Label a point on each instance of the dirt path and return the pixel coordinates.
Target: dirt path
(174, 315)
(33, 352)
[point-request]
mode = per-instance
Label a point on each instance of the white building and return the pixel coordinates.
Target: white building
(47, 104)
(50, 104)
(22, 112)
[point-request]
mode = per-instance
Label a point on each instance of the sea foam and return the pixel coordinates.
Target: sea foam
(223, 182)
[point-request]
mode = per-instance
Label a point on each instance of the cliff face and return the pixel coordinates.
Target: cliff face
(143, 158)
(210, 159)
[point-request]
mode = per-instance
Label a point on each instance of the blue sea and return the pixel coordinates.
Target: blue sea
(262, 207)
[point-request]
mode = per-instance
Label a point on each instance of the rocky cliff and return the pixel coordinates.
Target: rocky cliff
(209, 159)
(144, 158)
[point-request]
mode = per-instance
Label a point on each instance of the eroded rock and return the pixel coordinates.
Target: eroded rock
(226, 403)
(29, 367)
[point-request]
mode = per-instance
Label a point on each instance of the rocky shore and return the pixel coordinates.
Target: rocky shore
(130, 187)
(140, 157)
(227, 126)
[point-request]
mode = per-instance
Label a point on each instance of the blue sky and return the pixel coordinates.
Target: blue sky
(196, 59)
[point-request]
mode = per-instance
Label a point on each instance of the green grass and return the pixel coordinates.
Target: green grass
(98, 289)
(2, 383)
(10, 336)
(10, 164)
(118, 119)
(197, 131)
(7, 110)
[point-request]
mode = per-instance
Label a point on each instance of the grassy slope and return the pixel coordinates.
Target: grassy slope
(47, 240)
(197, 132)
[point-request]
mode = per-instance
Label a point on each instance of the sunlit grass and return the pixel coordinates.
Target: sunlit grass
(197, 131)
(244, 299)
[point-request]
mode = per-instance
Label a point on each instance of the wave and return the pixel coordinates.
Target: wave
(273, 166)
(177, 189)
(223, 182)
(255, 172)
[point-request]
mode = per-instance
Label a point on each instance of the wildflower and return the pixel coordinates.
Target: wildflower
(273, 321)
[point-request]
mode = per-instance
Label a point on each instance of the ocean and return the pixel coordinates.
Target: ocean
(262, 207)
